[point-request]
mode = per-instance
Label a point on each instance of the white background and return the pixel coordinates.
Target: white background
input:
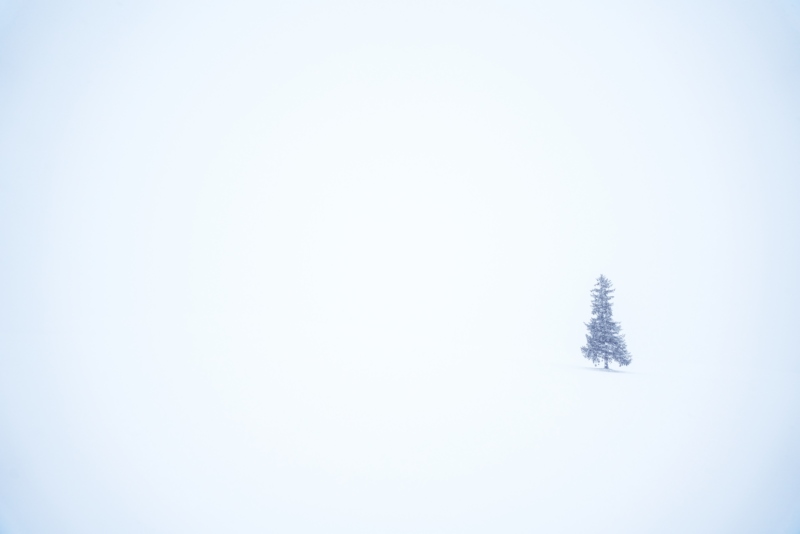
(324, 267)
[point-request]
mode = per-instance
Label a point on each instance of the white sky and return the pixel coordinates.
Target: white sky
(324, 267)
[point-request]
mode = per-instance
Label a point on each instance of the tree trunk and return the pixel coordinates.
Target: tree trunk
(606, 363)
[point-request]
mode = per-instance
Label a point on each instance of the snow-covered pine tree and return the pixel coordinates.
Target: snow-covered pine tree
(604, 342)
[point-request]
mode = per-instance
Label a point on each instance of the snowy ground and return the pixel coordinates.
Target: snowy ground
(548, 447)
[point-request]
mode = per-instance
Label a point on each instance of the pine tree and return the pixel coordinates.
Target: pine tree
(604, 342)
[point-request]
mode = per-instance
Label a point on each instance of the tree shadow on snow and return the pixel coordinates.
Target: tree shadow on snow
(603, 370)
(577, 367)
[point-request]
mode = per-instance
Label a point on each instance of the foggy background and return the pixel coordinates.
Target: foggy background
(324, 266)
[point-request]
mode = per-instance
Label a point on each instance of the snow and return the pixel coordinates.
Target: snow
(326, 268)
(547, 447)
